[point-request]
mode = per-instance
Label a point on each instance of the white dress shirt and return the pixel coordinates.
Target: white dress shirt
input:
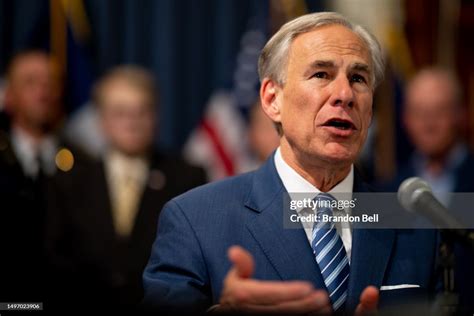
(28, 150)
(295, 183)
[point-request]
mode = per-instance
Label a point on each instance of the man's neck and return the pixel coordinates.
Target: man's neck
(435, 166)
(112, 151)
(322, 175)
(437, 163)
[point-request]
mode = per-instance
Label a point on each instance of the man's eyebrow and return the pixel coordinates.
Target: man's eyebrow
(322, 64)
(361, 67)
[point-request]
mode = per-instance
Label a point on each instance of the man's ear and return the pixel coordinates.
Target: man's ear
(269, 97)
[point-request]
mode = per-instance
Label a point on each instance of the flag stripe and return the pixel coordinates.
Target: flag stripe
(218, 148)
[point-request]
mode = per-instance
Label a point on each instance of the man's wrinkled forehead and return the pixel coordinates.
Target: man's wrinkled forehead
(322, 43)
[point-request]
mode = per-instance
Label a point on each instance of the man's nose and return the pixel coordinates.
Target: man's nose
(342, 93)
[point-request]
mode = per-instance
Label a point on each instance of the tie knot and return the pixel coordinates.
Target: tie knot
(325, 203)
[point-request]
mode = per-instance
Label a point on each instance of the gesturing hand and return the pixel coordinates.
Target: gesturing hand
(242, 293)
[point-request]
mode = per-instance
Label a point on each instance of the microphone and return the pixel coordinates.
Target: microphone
(415, 195)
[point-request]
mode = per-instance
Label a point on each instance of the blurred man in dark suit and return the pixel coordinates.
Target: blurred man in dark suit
(434, 117)
(30, 152)
(102, 218)
(33, 100)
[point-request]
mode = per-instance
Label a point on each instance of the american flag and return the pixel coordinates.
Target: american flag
(219, 143)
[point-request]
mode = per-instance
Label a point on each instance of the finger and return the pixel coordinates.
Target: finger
(315, 304)
(242, 261)
(368, 301)
(272, 292)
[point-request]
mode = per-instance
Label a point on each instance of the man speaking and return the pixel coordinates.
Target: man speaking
(318, 74)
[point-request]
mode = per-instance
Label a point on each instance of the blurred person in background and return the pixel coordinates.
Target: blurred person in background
(434, 117)
(33, 102)
(263, 136)
(102, 220)
(30, 152)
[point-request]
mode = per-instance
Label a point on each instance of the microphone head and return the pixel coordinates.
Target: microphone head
(410, 190)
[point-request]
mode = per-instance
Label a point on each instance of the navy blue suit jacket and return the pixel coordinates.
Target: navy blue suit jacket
(189, 257)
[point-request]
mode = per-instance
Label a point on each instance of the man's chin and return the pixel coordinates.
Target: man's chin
(339, 153)
(332, 159)
(339, 160)
(43, 125)
(132, 151)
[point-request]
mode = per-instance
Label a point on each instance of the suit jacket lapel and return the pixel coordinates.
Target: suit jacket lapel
(371, 249)
(287, 249)
(103, 200)
(150, 198)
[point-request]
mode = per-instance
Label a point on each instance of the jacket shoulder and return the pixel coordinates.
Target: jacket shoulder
(217, 195)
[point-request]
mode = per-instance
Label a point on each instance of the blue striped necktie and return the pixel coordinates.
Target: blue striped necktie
(330, 253)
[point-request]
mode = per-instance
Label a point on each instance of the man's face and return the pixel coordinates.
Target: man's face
(263, 137)
(326, 102)
(127, 117)
(432, 116)
(33, 91)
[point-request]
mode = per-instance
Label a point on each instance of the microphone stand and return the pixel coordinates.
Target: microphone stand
(447, 302)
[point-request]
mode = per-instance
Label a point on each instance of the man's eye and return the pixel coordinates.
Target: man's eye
(358, 78)
(321, 75)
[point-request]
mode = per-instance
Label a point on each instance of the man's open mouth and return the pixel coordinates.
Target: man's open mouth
(340, 124)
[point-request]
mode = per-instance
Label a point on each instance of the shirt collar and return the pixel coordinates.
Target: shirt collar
(120, 165)
(27, 149)
(295, 183)
(23, 144)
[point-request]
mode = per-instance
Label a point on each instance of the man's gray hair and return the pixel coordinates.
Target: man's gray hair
(274, 56)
